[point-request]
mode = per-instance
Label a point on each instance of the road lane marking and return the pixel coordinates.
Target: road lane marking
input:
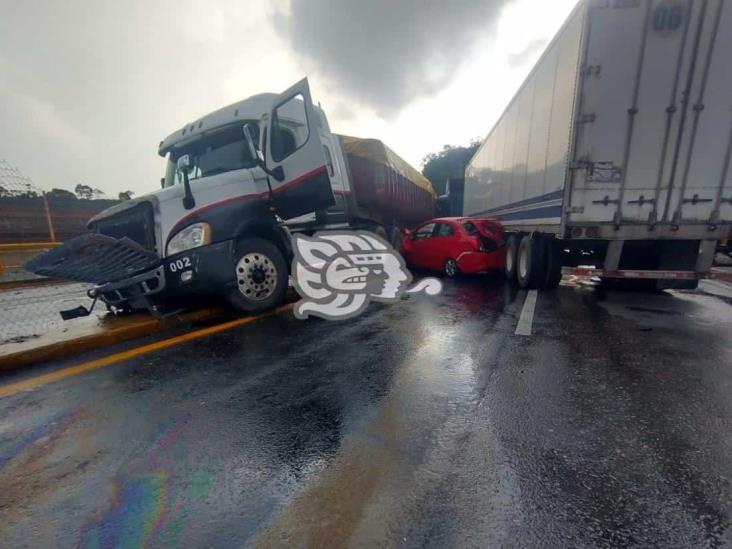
(71, 371)
(526, 320)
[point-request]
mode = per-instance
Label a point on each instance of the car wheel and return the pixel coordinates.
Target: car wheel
(511, 252)
(450, 269)
(530, 267)
(261, 276)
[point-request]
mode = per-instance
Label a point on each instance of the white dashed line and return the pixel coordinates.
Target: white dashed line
(523, 328)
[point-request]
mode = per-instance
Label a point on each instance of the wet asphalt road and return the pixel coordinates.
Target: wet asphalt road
(425, 423)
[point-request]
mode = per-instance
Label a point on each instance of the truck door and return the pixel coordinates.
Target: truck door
(292, 146)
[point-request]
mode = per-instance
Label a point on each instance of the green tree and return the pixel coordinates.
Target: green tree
(60, 194)
(448, 163)
(84, 191)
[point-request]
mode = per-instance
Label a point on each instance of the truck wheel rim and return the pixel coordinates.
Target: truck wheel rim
(450, 268)
(256, 276)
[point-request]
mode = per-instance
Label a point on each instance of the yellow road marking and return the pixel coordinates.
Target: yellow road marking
(28, 246)
(71, 371)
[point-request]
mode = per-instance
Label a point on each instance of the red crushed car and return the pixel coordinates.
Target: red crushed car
(455, 245)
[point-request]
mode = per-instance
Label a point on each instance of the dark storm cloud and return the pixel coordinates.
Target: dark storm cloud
(87, 89)
(386, 53)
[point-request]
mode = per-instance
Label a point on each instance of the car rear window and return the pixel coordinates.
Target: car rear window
(470, 229)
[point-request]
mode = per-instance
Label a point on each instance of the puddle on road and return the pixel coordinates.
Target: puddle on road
(376, 472)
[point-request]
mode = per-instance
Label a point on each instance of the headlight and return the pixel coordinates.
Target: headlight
(193, 236)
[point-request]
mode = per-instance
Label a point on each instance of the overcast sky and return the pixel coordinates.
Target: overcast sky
(89, 88)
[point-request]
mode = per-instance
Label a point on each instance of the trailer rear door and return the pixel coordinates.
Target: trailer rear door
(655, 114)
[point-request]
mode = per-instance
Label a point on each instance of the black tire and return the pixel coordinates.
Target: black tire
(450, 268)
(553, 260)
(530, 264)
(396, 238)
(380, 231)
(261, 276)
(509, 270)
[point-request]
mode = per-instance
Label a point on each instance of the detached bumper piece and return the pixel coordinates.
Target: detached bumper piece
(94, 258)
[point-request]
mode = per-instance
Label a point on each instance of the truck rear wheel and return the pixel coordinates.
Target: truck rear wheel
(553, 261)
(261, 276)
(530, 264)
(511, 253)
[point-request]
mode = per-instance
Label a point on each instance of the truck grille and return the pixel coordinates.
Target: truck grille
(136, 224)
(94, 258)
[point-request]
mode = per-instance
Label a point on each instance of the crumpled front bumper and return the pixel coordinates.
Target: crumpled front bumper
(200, 271)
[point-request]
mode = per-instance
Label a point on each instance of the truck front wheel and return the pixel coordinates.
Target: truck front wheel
(261, 276)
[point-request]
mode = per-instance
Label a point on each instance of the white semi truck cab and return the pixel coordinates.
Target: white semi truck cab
(215, 225)
(236, 182)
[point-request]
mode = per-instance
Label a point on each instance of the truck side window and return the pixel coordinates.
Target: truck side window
(289, 128)
(328, 161)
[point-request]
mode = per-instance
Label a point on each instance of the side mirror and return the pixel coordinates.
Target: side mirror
(184, 162)
(253, 151)
(406, 232)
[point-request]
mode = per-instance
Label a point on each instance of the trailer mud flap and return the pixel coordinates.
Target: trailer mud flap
(94, 258)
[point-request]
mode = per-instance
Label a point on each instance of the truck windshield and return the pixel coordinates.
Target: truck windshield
(212, 154)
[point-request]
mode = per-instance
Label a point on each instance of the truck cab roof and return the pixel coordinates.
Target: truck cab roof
(251, 108)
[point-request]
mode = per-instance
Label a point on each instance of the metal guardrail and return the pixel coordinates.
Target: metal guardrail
(31, 311)
(30, 304)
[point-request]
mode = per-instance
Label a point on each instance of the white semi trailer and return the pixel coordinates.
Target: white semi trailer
(615, 151)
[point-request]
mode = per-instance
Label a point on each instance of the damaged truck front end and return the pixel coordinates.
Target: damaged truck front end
(120, 257)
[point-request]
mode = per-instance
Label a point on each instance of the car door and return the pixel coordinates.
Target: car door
(294, 156)
(419, 245)
(441, 247)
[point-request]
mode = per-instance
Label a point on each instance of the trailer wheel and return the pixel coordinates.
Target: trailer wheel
(261, 276)
(511, 253)
(450, 268)
(530, 265)
(553, 262)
